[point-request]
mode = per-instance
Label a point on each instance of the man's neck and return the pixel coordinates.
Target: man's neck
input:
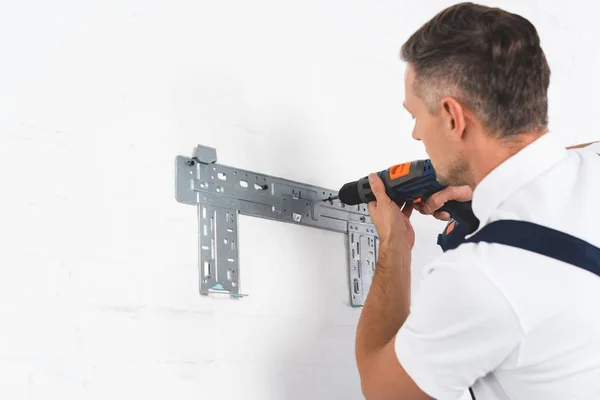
(489, 152)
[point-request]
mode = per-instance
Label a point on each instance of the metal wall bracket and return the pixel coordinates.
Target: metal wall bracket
(221, 193)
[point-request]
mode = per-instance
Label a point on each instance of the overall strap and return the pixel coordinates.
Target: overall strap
(541, 240)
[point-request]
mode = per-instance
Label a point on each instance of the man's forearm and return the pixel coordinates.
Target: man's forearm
(387, 305)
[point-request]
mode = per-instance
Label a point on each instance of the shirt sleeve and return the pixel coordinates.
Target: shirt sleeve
(460, 328)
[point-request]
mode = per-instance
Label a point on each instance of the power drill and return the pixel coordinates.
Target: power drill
(414, 182)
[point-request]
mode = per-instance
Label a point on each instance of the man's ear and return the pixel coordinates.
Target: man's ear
(454, 116)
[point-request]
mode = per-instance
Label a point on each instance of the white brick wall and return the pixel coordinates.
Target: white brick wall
(98, 280)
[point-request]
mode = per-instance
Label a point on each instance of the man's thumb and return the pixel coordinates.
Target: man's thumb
(377, 187)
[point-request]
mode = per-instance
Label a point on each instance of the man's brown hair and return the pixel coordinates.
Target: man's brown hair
(489, 59)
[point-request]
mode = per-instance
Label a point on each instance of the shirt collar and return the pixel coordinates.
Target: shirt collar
(515, 172)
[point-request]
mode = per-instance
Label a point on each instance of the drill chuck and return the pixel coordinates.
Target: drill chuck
(348, 194)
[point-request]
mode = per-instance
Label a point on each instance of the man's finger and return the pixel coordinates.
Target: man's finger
(442, 215)
(378, 189)
(408, 209)
(371, 206)
(437, 200)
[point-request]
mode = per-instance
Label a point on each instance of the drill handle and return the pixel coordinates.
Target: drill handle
(464, 223)
(462, 212)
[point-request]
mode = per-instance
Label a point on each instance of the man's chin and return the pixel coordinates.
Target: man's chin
(453, 175)
(440, 177)
(454, 180)
(443, 181)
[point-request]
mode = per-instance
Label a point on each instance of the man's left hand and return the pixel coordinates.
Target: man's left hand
(392, 223)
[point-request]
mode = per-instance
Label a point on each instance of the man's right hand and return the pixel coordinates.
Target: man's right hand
(438, 199)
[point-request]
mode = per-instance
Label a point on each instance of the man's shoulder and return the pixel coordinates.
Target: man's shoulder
(464, 259)
(465, 269)
(588, 155)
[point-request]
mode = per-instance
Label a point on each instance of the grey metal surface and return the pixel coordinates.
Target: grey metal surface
(219, 263)
(222, 192)
(363, 246)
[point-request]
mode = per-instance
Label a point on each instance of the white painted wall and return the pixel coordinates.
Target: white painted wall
(98, 278)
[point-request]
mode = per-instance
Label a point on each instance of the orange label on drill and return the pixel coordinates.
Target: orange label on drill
(450, 227)
(400, 170)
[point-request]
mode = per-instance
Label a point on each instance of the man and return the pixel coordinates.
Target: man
(500, 321)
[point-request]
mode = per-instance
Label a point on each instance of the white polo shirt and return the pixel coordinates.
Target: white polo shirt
(510, 323)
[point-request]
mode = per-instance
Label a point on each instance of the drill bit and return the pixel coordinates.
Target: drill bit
(332, 198)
